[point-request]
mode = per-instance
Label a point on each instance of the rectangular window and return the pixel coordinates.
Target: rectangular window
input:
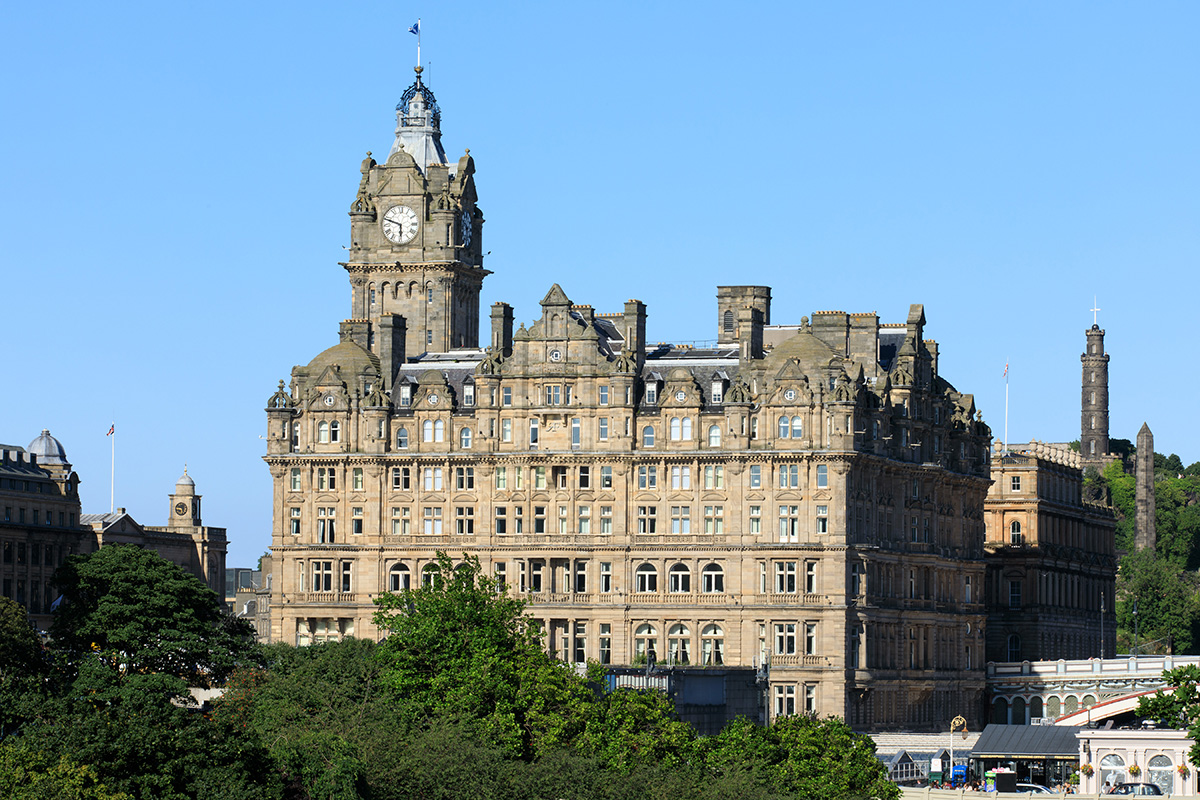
(785, 639)
(322, 576)
(432, 479)
(295, 522)
(535, 576)
(533, 432)
(822, 519)
(605, 577)
(605, 643)
(581, 577)
(562, 520)
(554, 395)
(295, 486)
(506, 395)
(603, 395)
(810, 577)
(681, 478)
(785, 577)
(1016, 483)
(464, 520)
(539, 519)
(347, 567)
(810, 698)
(432, 522)
(785, 701)
(647, 477)
(464, 478)
(575, 433)
(585, 519)
(1014, 594)
(755, 519)
(539, 477)
(681, 519)
(501, 477)
(357, 479)
(356, 521)
(558, 476)
(714, 477)
(647, 519)
(755, 476)
(506, 430)
(606, 519)
(822, 476)
(606, 478)
(810, 638)
(401, 522)
(501, 520)
(789, 476)
(602, 429)
(518, 520)
(585, 477)
(714, 519)
(789, 524)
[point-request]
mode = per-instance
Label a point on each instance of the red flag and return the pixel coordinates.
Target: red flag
(112, 429)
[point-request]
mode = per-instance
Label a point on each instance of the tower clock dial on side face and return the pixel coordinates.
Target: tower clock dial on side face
(400, 224)
(181, 508)
(464, 224)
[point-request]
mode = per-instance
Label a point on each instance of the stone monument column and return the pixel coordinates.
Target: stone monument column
(1144, 535)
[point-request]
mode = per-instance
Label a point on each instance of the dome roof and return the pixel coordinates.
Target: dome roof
(184, 483)
(48, 449)
(351, 358)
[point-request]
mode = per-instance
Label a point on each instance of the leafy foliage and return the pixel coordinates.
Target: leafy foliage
(1180, 708)
(141, 613)
(1166, 600)
(29, 774)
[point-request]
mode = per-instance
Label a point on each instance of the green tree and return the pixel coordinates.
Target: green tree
(141, 613)
(458, 645)
(1179, 708)
(1121, 491)
(24, 668)
(29, 774)
(626, 728)
(1166, 600)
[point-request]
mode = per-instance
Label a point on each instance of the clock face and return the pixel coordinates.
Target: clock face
(433, 399)
(464, 225)
(789, 395)
(400, 224)
(681, 396)
(329, 400)
(181, 509)
(555, 355)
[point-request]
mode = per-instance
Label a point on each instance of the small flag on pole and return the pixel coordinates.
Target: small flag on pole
(111, 429)
(415, 30)
(1006, 369)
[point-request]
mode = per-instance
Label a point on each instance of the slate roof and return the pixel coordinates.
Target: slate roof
(1027, 741)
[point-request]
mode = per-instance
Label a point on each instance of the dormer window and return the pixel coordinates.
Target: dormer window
(468, 394)
(718, 391)
(406, 394)
(651, 393)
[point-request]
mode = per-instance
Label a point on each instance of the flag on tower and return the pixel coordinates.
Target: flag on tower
(1006, 369)
(111, 429)
(415, 30)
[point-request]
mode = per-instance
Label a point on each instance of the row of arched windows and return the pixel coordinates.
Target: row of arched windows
(680, 644)
(679, 579)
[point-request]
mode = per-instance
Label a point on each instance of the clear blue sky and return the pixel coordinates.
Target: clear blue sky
(176, 178)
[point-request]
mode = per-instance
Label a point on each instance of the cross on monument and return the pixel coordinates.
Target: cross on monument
(1095, 309)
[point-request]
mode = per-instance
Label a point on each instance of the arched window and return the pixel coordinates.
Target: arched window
(712, 579)
(1072, 704)
(712, 645)
(1112, 770)
(1161, 774)
(714, 435)
(646, 578)
(675, 429)
(1089, 700)
(784, 427)
(402, 438)
(427, 431)
(1035, 708)
(1053, 707)
(398, 578)
(1014, 532)
(679, 644)
(1092, 446)
(679, 579)
(431, 576)
(797, 428)
(687, 428)
(335, 431)
(1014, 647)
(439, 431)
(1018, 711)
(1093, 423)
(464, 438)
(727, 321)
(1000, 711)
(645, 643)
(323, 432)
(648, 436)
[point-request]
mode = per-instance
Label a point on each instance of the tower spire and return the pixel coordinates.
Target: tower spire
(419, 125)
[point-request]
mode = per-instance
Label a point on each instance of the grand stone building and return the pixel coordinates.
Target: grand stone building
(807, 498)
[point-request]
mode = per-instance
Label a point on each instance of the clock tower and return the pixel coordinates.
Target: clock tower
(185, 504)
(415, 244)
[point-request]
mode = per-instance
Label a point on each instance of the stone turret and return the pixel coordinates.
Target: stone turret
(1144, 535)
(1093, 436)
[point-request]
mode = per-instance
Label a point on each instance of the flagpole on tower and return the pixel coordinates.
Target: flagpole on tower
(112, 474)
(417, 30)
(1005, 451)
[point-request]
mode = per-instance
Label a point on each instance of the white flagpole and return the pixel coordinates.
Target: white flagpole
(112, 479)
(1005, 406)
(418, 41)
